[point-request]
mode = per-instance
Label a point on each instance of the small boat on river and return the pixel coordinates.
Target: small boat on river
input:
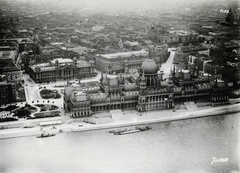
(45, 134)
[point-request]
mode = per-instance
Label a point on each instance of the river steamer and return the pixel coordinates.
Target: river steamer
(131, 130)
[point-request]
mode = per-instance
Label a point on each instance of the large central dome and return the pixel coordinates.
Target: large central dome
(149, 66)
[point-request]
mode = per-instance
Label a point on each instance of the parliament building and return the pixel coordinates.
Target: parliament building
(145, 90)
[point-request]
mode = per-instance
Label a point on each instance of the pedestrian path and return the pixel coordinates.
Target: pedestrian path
(191, 106)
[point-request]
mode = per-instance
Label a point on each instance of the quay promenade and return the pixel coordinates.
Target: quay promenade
(130, 118)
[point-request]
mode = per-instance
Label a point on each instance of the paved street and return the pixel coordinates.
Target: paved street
(33, 95)
(166, 67)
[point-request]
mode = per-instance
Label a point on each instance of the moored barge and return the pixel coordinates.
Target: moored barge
(131, 130)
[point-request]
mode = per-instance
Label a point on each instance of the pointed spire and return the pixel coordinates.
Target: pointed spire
(106, 81)
(181, 74)
(216, 82)
(143, 79)
(149, 52)
(143, 75)
(121, 80)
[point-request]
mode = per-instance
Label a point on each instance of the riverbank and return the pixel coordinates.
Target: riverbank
(130, 118)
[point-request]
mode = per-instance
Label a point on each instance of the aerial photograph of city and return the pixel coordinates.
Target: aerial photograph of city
(119, 86)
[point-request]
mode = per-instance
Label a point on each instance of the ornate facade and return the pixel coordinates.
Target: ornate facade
(61, 69)
(193, 83)
(118, 92)
(153, 94)
(146, 92)
(111, 93)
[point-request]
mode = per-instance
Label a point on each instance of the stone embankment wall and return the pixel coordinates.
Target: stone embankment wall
(75, 128)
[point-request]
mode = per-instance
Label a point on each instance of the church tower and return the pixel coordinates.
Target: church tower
(230, 17)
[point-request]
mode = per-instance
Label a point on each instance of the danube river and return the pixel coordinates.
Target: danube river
(202, 145)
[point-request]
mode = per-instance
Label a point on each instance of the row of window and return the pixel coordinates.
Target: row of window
(157, 106)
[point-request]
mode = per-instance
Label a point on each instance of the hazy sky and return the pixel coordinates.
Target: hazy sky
(129, 4)
(134, 5)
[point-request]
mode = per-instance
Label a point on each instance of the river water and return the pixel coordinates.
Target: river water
(180, 146)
